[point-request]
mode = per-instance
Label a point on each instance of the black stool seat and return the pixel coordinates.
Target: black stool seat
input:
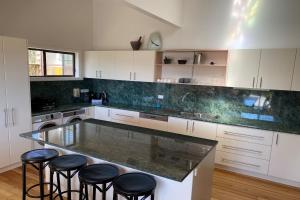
(66, 166)
(68, 162)
(39, 159)
(134, 184)
(98, 173)
(39, 155)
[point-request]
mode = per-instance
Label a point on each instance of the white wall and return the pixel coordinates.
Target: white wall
(167, 10)
(206, 24)
(57, 24)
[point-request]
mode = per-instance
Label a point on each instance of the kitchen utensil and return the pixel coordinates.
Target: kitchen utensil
(136, 45)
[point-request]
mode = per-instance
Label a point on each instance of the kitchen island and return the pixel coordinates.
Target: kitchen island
(182, 165)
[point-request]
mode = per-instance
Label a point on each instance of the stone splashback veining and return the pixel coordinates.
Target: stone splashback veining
(256, 108)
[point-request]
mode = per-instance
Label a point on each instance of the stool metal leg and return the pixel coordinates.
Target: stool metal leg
(152, 196)
(24, 180)
(94, 192)
(41, 174)
(115, 196)
(51, 185)
(69, 185)
(80, 190)
(104, 191)
(58, 186)
(86, 192)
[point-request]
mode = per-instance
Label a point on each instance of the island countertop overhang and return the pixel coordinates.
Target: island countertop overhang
(156, 152)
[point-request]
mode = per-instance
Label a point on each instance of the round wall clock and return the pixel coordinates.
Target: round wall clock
(155, 41)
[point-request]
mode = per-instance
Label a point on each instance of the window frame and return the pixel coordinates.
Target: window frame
(44, 51)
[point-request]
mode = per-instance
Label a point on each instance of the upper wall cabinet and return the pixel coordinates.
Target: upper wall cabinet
(99, 64)
(296, 76)
(262, 69)
(242, 68)
(276, 69)
(144, 66)
(121, 65)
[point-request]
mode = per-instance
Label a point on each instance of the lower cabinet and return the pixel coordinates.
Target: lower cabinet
(244, 148)
(192, 128)
(102, 113)
(285, 157)
(153, 124)
(242, 162)
(90, 112)
(124, 116)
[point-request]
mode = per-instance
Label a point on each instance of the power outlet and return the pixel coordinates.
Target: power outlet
(160, 97)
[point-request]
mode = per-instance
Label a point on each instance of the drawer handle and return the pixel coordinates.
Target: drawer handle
(240, 163)
(124, 115)
(242, 149)
(244, 135)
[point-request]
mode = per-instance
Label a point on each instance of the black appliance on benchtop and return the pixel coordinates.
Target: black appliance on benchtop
(42, 104)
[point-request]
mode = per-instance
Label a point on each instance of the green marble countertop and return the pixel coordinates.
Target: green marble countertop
(230, 118)
(160, 153)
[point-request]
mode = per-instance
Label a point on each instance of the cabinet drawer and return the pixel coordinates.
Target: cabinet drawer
(244, 148)
(245, 134)
(242, 162)
(124, 116)
(153, 124)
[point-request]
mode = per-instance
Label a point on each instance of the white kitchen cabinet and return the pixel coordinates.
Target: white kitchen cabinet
(296, 76)
(244, 148)
(242, 162)
(91, 64)
(17, 118)
(144, 66)
(102, 113)
(123, 65)
(193, 128)
(242, 69)
(276, 69)
(99, 64)
(250, 135)
(90, 112)
(179, 125)
(4, 142)
(285, 159)
(204, 130)
(124, 116)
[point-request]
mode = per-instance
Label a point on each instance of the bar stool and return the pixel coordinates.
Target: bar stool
(64, 165)
(95, 175)
(39, 159)
(134, 185)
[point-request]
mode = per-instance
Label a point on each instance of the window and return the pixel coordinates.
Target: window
(51, 63)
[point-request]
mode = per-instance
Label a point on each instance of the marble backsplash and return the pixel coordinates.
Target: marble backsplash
(269, 106)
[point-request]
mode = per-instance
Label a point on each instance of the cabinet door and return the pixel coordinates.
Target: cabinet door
(204, 130)
(102, 113)
(18, 95)
(242, 68)
(4, 141)
(296, 76)
(144, 66)
(179, 125)
(153, 124)
(276, 69)
(125, 117)
(91, 64)
(285, 159)
(123, 65)
(90, 112)
(106, 67)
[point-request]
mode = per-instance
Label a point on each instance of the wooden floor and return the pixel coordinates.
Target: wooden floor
(227, 186)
